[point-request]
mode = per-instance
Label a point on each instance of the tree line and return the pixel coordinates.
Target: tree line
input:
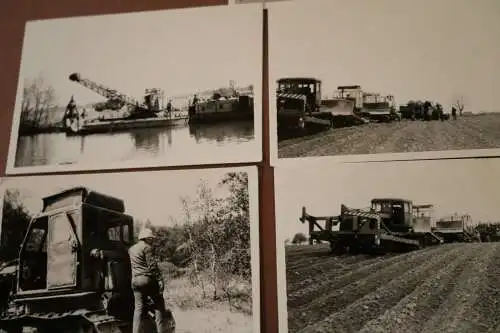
(37, 102)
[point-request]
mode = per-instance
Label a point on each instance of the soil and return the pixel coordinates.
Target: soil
(448, 288)
(471, 132)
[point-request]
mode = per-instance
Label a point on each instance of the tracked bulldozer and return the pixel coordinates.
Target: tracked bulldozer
(389, 225)
(73, 271)
(453, 229)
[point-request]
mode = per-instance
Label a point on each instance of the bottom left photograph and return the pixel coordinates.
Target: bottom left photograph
(156, 251)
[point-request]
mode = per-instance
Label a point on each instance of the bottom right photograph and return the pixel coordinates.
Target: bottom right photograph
(389, 247)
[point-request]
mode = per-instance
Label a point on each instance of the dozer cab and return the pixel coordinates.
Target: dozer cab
(298, 102)
(453, 229)
(73, 270)
(372, 106)
(389, 225)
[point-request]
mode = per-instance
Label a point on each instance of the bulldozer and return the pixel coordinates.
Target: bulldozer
(300, 106)
(453, 229)
(389, 225)
(73, 271)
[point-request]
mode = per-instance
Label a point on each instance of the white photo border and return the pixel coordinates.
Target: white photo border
(255, 155)
(276, 161)
(253, 193)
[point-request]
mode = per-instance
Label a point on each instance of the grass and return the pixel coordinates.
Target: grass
(185, 291)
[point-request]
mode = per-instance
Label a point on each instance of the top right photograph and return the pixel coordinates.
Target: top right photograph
(384, 80)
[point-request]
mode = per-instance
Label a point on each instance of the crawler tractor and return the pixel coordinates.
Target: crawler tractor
(390, 225)
(453, 229)
(73, 270)
(372, 106)
(300, 105)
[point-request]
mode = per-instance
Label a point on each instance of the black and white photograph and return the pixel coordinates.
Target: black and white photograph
(409, 246)
(145, 89)
(158, 251)
(354, 81)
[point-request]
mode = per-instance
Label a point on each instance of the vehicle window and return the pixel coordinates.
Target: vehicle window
(35, 240)
(114, 233)
(125, 233)
(61, 229)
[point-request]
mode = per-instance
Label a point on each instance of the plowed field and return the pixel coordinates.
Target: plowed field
(450, 288)
(471, 132)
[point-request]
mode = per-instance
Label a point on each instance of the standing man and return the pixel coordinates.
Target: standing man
(454, 113)
(147, 282)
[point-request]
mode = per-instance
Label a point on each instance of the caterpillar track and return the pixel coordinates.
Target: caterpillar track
(70, 321)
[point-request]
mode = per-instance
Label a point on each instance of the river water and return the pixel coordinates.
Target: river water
(227, 141)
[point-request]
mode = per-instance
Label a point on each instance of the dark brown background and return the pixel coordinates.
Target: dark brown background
(14, 14)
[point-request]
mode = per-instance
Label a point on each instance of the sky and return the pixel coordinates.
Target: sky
(470, 186)
(438, 50)
(153, 195)
(180, 51)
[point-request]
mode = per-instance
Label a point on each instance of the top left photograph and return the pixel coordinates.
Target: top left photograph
(137, 90)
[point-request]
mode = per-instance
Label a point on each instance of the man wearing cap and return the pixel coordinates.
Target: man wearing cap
(147, 282)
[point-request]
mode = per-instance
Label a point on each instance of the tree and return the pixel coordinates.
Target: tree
(37, 101)
(15, 221)
(299, 238)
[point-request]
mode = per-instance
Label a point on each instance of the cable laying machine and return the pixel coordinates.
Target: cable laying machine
(389, 225)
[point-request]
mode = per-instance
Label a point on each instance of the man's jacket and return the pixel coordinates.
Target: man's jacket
(142, 260)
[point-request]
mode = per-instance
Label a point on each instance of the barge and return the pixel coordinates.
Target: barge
(81, 126)
(223, 106)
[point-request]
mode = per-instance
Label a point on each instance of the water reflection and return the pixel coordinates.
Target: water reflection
(176, 142)
(236, 132)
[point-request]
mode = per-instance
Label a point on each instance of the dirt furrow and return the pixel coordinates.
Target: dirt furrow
(305, 262)
(412, 311)
(460, 310)
(389, 293)
(327, 262)
(338, 296)
(318, 278)
(303, 279)
(329, 282)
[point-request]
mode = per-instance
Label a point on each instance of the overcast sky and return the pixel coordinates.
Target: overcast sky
(154, 195)
(181, 51)
(461, 186)
(413, 49)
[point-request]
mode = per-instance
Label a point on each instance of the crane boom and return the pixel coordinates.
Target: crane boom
(102, 90)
